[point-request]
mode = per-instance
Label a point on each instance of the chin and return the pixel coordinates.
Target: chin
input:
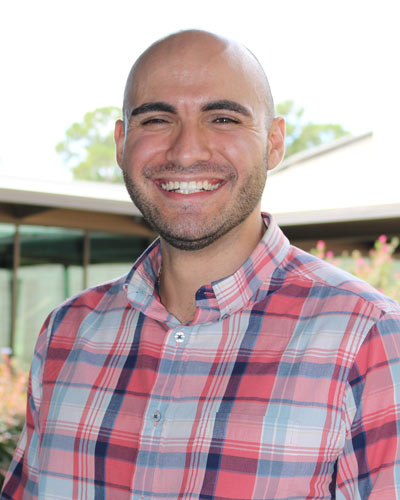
(188, 244)
(203, 237)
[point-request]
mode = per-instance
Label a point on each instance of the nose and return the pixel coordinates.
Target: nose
(189, 145)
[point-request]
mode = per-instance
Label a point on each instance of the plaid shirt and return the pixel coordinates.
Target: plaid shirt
(285, 386)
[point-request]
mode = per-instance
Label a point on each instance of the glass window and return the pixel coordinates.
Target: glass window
(112, 255)
(50, 271)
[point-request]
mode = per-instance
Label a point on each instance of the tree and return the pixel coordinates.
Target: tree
(89, 150)
(88, 147)
(300, 135)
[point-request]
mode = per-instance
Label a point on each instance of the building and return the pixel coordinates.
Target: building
(346, 192)
(55, 240)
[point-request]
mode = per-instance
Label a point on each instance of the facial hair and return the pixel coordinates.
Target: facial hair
(223, 221)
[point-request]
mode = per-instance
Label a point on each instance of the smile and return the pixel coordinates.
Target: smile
(184, 187)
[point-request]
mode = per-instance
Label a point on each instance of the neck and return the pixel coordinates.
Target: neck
(184, 272)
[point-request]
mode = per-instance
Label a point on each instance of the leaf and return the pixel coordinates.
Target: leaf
(301, 136)
(88, 147)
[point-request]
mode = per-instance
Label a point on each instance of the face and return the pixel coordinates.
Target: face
(195, 150)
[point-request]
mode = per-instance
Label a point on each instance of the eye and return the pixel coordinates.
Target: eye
(153, 121)
(225, 120)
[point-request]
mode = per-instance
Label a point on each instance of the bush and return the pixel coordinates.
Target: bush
(379, 268)
(13, 385)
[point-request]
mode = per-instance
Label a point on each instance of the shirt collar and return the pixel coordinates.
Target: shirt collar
(220, 298)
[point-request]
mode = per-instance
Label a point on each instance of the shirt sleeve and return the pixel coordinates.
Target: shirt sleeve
(369, 467)
(21, 482)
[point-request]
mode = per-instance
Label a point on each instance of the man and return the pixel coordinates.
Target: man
(227, 364)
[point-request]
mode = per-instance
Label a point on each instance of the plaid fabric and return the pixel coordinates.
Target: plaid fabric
(285, 386)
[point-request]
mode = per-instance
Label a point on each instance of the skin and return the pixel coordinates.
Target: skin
(198, 107)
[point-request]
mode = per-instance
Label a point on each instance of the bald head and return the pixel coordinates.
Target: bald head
(198, 109)
(185, 54)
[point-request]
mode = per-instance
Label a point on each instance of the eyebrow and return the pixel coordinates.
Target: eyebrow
(153, 106)
(228, 105)
(220, 104)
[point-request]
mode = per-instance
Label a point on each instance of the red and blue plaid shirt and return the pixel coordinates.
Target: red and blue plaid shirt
(285, 386)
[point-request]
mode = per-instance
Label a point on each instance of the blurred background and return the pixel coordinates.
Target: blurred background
(65, 220)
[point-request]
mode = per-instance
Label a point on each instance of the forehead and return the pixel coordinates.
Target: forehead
(196, 73)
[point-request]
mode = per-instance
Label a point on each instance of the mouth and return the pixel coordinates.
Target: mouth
(189, 187)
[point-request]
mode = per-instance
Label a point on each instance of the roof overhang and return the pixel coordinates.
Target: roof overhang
(77, 195)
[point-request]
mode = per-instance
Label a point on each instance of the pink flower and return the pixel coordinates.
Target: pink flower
(382, 238)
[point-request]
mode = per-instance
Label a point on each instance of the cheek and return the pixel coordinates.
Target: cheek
(144, 149)
(243, 151)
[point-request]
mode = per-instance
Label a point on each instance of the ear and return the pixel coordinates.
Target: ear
(119, 137)
(276, 142)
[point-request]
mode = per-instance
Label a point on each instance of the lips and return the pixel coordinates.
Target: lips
(189, 187)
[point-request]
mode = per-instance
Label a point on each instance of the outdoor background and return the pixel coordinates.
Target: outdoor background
(61, 59)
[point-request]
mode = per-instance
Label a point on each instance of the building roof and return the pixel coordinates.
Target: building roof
(340, 181)
(93, 206)
(79, 195)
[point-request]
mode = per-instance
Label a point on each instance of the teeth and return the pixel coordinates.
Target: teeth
(189, 187)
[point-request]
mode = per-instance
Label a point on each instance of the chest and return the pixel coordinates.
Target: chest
(249, 407)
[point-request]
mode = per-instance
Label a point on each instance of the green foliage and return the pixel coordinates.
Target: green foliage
(88, 147)
(13, 385)
(378, 268)
(300, 135)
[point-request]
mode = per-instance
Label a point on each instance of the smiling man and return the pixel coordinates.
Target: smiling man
(198, 137)
(227, 364)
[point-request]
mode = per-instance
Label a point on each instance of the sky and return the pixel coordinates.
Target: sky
(60, 59)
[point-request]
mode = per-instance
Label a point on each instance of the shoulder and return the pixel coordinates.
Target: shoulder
(94, 301)
(323, 280)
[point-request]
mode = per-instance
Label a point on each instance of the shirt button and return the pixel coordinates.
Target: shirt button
(156, 416)
(179, 337)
